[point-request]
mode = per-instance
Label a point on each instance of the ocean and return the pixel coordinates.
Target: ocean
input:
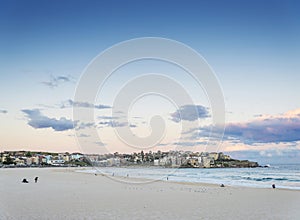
(282, 175)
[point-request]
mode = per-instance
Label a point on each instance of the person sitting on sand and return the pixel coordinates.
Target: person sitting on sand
(24, 181)
(36, 179)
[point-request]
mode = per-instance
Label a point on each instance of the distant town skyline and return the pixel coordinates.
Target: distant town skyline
(252, 46)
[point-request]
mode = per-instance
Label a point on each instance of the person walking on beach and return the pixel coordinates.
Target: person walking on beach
(36, 179)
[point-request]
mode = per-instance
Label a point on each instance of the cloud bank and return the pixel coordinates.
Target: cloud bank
(264, 129)
(267, 129)
(37, 120)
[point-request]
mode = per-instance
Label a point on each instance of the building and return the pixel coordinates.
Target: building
(19, 161)
(76, 156)
(57, 162)
(214, 155)
(207, 161)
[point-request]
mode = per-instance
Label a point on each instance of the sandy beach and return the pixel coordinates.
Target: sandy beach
(62, 193)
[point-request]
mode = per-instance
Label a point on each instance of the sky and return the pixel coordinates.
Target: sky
(252, 46)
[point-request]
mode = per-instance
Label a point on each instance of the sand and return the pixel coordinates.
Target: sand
(62, 193)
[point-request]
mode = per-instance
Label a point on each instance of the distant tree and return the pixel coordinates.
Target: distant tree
(143, 155)
(87, 161)
(8, 161)
(28, 154)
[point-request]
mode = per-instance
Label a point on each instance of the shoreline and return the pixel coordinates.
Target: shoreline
(258, 186)
(144, 180)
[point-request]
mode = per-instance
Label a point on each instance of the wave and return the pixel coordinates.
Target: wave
(283, 177)
(266, 179)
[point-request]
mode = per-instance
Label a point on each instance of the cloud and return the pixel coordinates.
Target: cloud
(70, 103)
(190, 113)
(267, 129)
(56, 81)
(3, 111)
(271, 156)
(99, 143)
(282, 128)
(164, 144)
(38, 120)
(108, 117)
(84, 125)
(113, 123)
(84, 135)
(190, 143)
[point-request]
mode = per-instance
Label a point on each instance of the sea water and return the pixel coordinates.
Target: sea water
(282, 175)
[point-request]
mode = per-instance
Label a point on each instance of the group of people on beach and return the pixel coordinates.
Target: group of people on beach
(26, 181)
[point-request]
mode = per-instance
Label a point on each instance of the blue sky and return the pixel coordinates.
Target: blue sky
(253, 47)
